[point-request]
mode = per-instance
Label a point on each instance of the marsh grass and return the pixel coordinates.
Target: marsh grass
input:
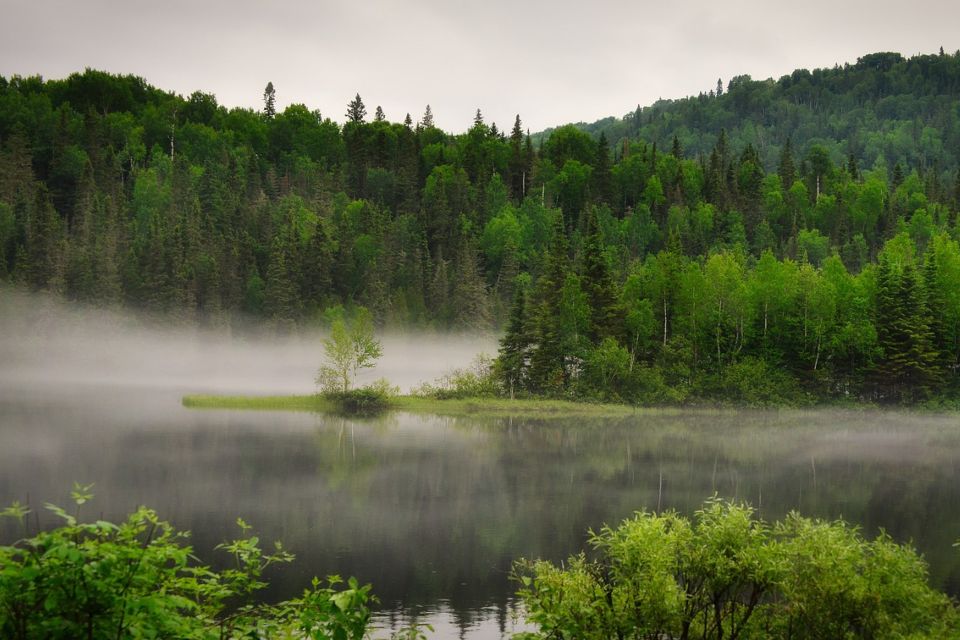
(496, 407)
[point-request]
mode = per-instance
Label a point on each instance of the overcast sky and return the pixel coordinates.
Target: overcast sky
(551, 61)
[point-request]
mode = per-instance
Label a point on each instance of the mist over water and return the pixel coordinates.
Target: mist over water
(431, 510)
(45, 342)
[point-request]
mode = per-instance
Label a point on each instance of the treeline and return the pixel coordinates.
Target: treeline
(114, 192)
(883, 109)
(731, 327)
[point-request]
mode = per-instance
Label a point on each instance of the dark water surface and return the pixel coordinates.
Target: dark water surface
(433, 510)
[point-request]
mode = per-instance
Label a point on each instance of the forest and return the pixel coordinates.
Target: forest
(771, 241)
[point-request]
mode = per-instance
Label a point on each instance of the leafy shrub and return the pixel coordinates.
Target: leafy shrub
(370, 399)
(607, 375)
(753, 382)
(139, 579)
(476, 381)
(727, 574)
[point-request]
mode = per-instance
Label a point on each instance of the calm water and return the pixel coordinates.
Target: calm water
(433, 510)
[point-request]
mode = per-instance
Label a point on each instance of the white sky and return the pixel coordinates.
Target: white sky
(551, 61)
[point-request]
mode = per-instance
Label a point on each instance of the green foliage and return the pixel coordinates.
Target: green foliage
(370, 399)
(140, 579)
(728, 574)
(758, 237)
(349, 349)
(479, 380)
(752, 382)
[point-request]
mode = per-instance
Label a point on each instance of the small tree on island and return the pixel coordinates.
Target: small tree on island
(351, 347)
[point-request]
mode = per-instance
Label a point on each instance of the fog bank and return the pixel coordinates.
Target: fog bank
(46, 342)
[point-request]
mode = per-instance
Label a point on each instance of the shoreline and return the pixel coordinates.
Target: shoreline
(496, 407)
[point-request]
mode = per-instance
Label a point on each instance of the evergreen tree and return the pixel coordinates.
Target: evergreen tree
(471, 302)
(378, 115)
(897, 178)
(601, 171)
(427, 121)
(908, 369)
(852, 167)
(517, 163)
(786, 169)
(356, 111)
(677, 150)
(548, 362)
(606, 320)
(514, 354)
(936, 307)
(269, 101)
(408, 121)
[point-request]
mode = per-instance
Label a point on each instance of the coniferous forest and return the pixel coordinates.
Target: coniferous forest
(763, 242)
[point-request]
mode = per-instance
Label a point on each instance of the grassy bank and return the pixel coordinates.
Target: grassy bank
(453, 407)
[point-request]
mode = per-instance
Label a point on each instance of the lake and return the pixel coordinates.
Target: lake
(433, 510)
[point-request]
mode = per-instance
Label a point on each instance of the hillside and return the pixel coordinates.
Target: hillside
(883, 110)
(781, 239)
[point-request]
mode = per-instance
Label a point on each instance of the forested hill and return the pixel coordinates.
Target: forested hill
(882, 110)
(115, 192)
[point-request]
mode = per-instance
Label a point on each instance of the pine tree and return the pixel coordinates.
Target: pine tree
(408, 121)
(269, 101)
(786, 168)
(936, 303)
(478, 118)
(356, 111)
(908, 369)
(897, 179)
(378, 115)
(514, 355)
(471, 302)
(601, 171)
(548, 364)
(516, 166)
(677, 150)
(427, 121)
(606, 317)
(852, 167)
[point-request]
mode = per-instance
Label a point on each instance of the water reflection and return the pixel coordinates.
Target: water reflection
(433, 510)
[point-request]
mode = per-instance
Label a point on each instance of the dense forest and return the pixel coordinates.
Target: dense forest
(776, 240)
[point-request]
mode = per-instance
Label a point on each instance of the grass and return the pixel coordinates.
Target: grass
(415, 404)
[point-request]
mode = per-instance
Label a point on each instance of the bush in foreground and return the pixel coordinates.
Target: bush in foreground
(139, 579)
(727, 574)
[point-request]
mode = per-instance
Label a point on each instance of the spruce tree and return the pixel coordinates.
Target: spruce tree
(427, 121)
(356, 111)
(677, 150)
(936, 307)
(908, 369)
(514, 354)
(269, 101)
(516, 165)
(548, 365)
(378, 115)
(786, 169)
(601, 171)
(897, 178)
(471, 302)
(606, 317)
